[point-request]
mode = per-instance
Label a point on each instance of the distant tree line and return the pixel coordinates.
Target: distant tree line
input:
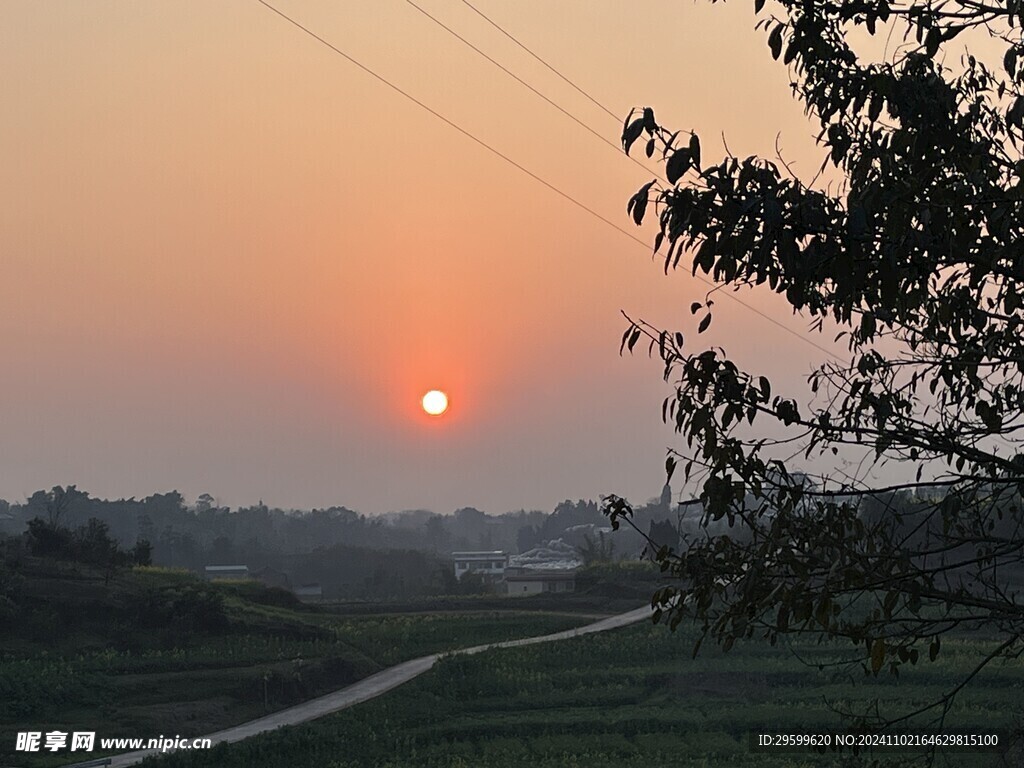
(350, 554)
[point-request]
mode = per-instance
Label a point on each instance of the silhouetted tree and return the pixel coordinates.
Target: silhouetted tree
(48, 540)
(916, 256)
(142, 552)
(205, 502)
(599, 550)
(55, 503)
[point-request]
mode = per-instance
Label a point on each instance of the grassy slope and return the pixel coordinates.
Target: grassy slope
(77, 657)
(632, 697)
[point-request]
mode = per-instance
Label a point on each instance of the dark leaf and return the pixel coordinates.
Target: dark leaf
(877, 655)
(775, 41)
(875, 107)
(677, 166)
(634, 337)
(1015, 116)
(632, 133)
(791, 51)
(1010, 61)
(638, 203)
(648, 120)
(625, 338)
(695, 150)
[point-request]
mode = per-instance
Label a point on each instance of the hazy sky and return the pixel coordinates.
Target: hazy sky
(232, 262)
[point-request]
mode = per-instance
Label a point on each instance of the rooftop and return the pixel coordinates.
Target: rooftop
(538, 575)
(478, 555)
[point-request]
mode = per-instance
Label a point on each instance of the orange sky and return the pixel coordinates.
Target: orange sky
(233, 262)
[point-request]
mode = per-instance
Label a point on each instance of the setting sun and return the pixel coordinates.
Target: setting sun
(435, 402)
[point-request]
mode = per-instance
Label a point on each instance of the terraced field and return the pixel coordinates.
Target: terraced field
(106, 668)
(630, 697)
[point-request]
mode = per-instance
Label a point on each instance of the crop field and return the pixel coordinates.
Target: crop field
(119, 680)
(627, 698)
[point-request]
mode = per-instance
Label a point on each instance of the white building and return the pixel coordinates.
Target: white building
(226, 572)
(490, 565)
(534, 582)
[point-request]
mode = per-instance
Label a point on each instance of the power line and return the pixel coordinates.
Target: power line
(513, 38)
(533, 90)
(448, 122)
(528, 172)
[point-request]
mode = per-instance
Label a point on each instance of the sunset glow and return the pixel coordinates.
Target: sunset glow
(259, 280)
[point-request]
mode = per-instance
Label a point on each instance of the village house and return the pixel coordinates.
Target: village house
(491, 565)
(226, 572)
(525, 581)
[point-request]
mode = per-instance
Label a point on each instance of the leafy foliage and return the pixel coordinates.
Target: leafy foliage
(916, 256)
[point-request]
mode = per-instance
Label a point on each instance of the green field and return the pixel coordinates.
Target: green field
(152, 652)
(130, 656)
(630, 697)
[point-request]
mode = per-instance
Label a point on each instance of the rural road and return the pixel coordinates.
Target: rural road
(376, 684)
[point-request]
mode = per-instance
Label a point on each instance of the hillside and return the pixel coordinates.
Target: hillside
(149, 651)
